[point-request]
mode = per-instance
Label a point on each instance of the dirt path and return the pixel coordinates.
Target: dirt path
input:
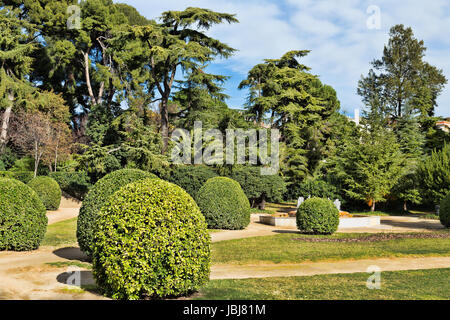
(68, 209)
(317, 268)
(388, 225)
(28, 276)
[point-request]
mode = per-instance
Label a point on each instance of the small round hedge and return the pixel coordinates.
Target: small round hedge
(224, 204)
(444, 211)
(318, 216)
(97, 197)
(23, 220)
(191, 178)
(48, 190)
(151, 242)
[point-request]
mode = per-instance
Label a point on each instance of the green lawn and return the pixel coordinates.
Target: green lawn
(283, 248)
(400, 285)
(61, 233)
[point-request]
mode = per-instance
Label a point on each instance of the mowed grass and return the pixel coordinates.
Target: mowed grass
(399, 285)
(284, 248)
(61, 233)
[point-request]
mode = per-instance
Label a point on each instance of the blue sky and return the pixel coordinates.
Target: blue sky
(342, 46)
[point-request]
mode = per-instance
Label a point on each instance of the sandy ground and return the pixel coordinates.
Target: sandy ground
(68, 209)
(388, 225)
(34, 275)
(29, 276)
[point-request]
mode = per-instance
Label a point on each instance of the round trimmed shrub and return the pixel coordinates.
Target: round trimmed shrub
(23, 220)
(48, 191)
(224, 204)
(151, 241)
(191, 178)
(444, 211)
(318, 216)
(97, 197)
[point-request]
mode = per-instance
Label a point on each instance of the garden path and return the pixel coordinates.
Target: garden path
(318, 268)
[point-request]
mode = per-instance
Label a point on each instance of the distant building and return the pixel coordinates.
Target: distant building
(357, 118)
(444, 126)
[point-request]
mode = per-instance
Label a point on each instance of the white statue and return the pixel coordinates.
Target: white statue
(300, 201)
(337, 203)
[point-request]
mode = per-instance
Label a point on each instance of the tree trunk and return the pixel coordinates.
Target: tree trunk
(373, 207)
(165, 124)
(36, 159)
(405, 207)
(5, 122)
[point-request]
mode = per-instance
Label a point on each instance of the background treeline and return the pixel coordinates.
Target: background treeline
(80, 103)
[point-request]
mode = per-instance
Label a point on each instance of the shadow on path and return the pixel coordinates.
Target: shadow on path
(72, 253)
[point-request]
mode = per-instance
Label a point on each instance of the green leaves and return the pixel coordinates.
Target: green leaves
(96, 199)
(370, 167)
(434, 175)
(48, 191)
(224, 204)
(23, 218)
(151, 241)
(318, 216)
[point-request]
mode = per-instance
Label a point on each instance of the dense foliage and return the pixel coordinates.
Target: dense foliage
(371, 167)
(444, 211)
(259, 188)
(191, 178)
(23, 176)
(22, 215)
(151, 242)
(75, 184)
(318, 216)
(314, 189)
(48, 191)
(434, 175)
(224, 204)
(104, 94)
(98, 195)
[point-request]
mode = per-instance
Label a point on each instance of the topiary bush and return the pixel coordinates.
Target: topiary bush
(48, 191)
(191, 178)
(75, 184)
(444, 211)
(97, 197)
(224, 204)
(23, 220)
(318, 216)
(151, 241)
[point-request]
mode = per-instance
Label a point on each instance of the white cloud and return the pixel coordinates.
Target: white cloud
(336, 32)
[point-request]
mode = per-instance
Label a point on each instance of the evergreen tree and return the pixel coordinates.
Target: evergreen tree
(370, 167)
(401, 82)
(16, 46)
(179, 42)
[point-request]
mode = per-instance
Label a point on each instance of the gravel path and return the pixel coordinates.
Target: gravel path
(317, 268)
